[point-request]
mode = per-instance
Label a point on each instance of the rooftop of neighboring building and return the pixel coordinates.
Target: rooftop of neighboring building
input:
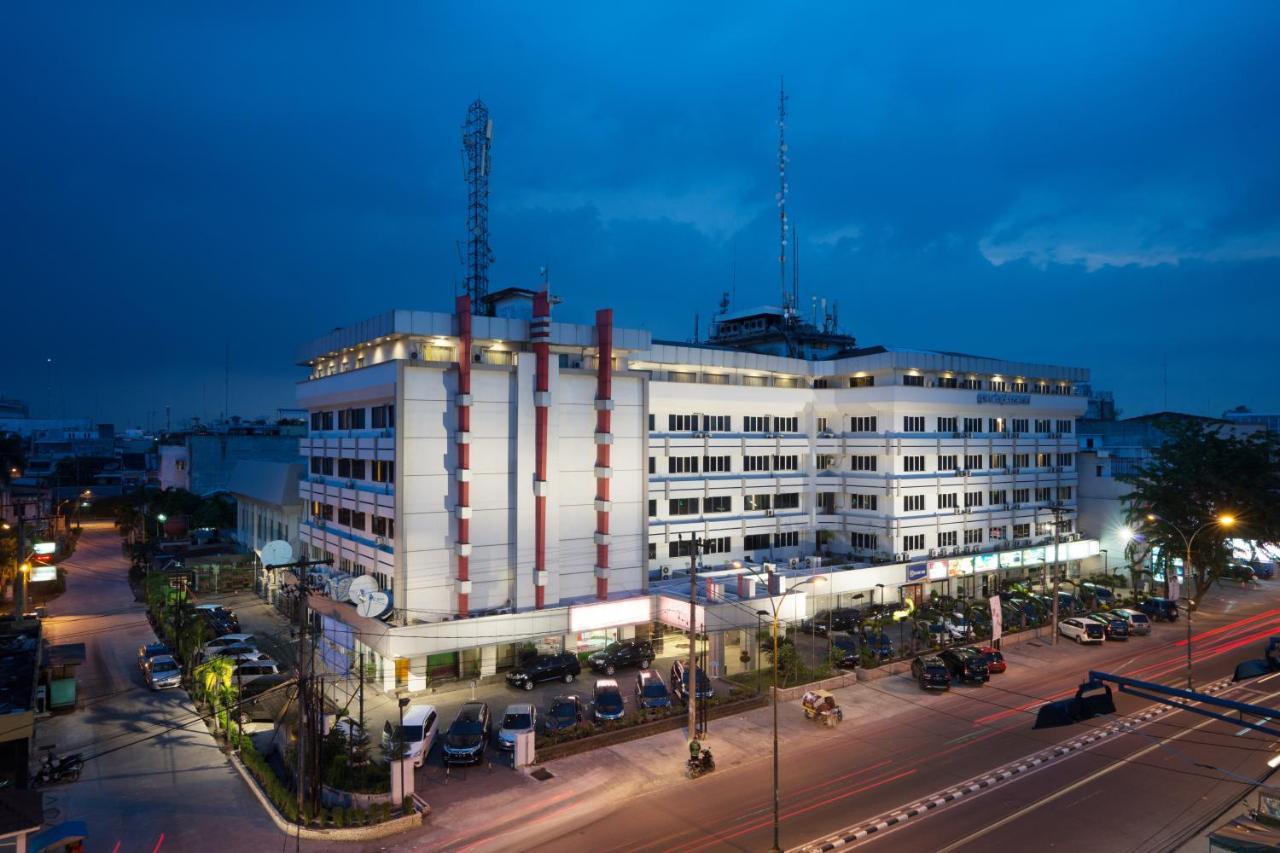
(273, 483)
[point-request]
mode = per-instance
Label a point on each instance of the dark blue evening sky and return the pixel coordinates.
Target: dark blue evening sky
(1096, 187)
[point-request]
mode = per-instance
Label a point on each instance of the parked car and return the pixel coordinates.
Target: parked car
(845, 651)
(563, 667)
(621, 654)
(1101, 594)
(607, 702)
(1159, 608)
(995, 659)
(651, 690)
(1082, 630)
(565, 713)
(150, 650)
(931, 673)
(837, 619)
(464, 741)
(1138, 621)
(211, 648)
(1113, 627)
(1240, 572)
(250, 669)
(417, 733)
(220, 614)
(240, 652)
(1266, 571)
(957, 627)
(680, 682)
(516, 720)
(966, 664)
(163, 671)
(880, 644)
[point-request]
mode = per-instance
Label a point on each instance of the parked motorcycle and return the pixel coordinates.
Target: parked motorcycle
(54, 771)
(701, 764)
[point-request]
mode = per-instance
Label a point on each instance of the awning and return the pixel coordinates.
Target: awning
(56, 837)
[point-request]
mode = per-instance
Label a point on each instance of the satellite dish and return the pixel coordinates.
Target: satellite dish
(360, 587)
(277, 552)
(374, 605)
(341, 589)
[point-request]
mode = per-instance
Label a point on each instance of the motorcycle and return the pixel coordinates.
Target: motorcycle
(700, 765)
(54, 771)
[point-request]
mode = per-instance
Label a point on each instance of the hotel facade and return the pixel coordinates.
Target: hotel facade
(511, 479)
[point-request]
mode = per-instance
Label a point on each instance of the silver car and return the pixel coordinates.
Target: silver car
(1139, 623)
(519, 718)
(163, 671)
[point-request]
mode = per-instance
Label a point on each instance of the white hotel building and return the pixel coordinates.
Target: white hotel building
(505, 483)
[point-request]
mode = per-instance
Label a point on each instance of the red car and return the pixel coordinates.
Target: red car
(995, 660)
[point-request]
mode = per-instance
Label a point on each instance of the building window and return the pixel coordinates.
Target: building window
(717, 545)
(1042, 460)
(711, 464)
(824, 461)
(998, 385)
(972, 499)
(913, 379)
(1064, 427)
(358, 520)
(861, 501)
(682, 465)
(682, 506)
(1042, 493)
(947, 500)
(786, 463)
(680, 548)
(996, 534)
(786, 539)
(344, 516)
(1044, 528)
(973, 537)
(973, 462)
(357, 469)
(315, 464)
(999, 460)
(913, 542)
(718, 504)
(913, 463)
(653, 509)
(946, 538)
(1000, 496)
(1065, 493)
(1097, 470)
(653, 469)
(787, 500)
(715, 423)
(326, 465)
(653, 546)
(947, 462)
(822, 425)
(995, 424)
(755, 542)
(755, 463)
(946, 424)
(384, 471)
(973, 424)
(1020, 425)
(947, 382)
(1042, 387)
(1066, 460)
(383, 417)
(1021, 531)
(861, 381)
(864, 541)
(1042, 425)
(755, 424)
(1021, 496)
(913, 503)
(862, 463)
(682, 423)
(786, 424)
(383, 526)
(344, 467)
(971, 383)
(1021, 460)
(862, 424)
(913, 423)
(1020, 386)
(753, 503)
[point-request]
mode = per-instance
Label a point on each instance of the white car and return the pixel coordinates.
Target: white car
(212, 648)
(1082, 630)
(250, 669)
(419, 732)
(522, 717)
(163, 671)
(957, 627)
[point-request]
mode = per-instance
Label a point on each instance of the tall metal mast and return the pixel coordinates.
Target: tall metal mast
(787, 306)
(477, 137)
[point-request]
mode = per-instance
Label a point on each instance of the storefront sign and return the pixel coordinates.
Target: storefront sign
(44, 547)
(43, 573)
(917, 572)
(943, 569)
(1010, 559)
(999, 399)
(612, 614)
(997, 617)
(985, 563)
(938, 570)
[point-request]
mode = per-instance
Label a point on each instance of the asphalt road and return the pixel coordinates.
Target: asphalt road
(1139, 789)
(154, 778)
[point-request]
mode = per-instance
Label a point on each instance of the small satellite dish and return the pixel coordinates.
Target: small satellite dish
(361, 587)
(341, 589)
(375, 605)
(277, 552)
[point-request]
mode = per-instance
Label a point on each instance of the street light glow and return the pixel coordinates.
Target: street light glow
(1226, 520)
(1125, 534)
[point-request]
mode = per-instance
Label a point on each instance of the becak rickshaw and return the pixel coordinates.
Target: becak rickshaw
(821, 705)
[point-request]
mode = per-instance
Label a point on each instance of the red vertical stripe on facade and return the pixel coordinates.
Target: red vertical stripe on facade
(542, 382)
(604, 424)
(463, 310)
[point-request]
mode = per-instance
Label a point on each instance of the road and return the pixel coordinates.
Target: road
(1140, 790)
(154, 778)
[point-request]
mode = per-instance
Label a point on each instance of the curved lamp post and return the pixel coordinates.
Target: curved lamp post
(1222, 521)
(775, 607)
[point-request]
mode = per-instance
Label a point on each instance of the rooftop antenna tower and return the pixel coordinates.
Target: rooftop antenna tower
(477, 137)
(787, 306)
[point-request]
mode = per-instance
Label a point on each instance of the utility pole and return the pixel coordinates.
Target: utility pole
(304, 697)
(692, 689)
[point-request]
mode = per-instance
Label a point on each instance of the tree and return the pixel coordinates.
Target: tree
(1199, 473)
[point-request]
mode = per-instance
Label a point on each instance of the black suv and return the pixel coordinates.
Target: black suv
(565, 713)
(931, 673)
(826, 621)
(680, 682)
(545, 668)
(623, 653)
(464, 741)
(966, 664)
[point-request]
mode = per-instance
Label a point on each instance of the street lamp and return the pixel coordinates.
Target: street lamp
(776, 605)
(20, 615)
(160, 520)
(1223, 521)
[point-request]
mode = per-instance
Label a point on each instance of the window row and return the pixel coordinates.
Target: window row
(916, 423)
(378, 417)
(378, 525)
(724, 423)
(377, 470)
(724, 503)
